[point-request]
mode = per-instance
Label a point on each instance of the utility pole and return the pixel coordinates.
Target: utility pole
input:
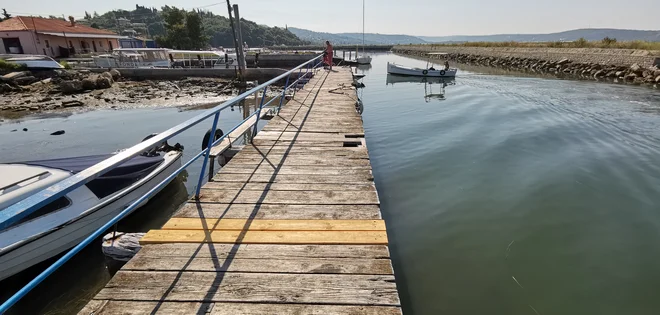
(241, 57)
(233, 31)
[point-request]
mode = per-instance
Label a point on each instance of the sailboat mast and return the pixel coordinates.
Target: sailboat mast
(363, 26)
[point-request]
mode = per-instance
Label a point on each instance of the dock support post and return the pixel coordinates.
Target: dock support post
(256, 123)
(209, 145)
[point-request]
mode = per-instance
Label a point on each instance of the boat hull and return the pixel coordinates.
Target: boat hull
(54, 242)
(418, 72)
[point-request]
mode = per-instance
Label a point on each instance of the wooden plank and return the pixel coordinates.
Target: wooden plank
(289, 197)
(297, 179)
(266, 237)
(284, 186)
(278, 211)
(260, 251)
(231, 264)
(217, 224)
(252, 287)
(299, 161)
(265, 169)
(185, 308)
(287, 143)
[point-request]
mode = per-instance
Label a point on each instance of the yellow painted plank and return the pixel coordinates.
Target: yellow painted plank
(266, 237)
(273, 225)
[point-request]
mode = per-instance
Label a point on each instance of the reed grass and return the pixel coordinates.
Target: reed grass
(580, 43)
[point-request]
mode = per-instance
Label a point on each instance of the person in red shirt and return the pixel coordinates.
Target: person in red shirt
(327, 54)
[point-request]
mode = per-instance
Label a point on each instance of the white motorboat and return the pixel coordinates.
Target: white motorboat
(393, 68)
(429, 71)
(363, 60)
(33, 61)
(66, 221)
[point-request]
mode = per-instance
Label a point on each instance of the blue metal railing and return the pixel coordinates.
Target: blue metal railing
(27, 206)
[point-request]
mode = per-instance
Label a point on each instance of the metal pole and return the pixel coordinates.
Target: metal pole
(208, 152)
(254, 131)
(286, 85)
(241, 56)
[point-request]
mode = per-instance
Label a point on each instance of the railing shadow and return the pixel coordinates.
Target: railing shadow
(221, 269)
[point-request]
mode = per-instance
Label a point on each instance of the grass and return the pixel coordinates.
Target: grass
(65, 64)
(580, 43)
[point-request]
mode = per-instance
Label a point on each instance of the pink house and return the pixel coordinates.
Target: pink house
(53, 37)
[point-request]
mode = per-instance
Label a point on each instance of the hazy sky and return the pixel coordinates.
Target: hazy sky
(413, 17)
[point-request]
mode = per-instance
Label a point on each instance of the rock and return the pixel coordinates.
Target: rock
(599, 73)
(6, 88)
(25, 129)
(656, 73)
(46, 99)
(89, 83)
(103, 82)
(84, 71)
(107, 75)
(657, 79)
(13, 130)
(57, 133)
(121, 246)
(70, 87)
(619, 74)
(636, 69)
(630, 77)
(563, 61)
(611, 74)
(44, 81)
(15, 75)
(25, 80)
(107, 100)
(72, 103)
(115, 74)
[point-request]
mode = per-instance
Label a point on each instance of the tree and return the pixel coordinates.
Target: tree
(94, 25)
(195, 31)
(177, 33)
(96, 15)
(87, 15)
(5, 15)
(609, 41)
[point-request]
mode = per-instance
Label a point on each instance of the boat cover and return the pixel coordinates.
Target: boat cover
(110, 182)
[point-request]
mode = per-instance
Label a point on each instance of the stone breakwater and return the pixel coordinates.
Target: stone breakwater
(619, 65)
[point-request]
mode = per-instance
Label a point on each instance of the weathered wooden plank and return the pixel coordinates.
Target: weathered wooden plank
(289, 197)
(272, 225)
(265, 237)
(260, 251)
(288, 143)
(297, 179)
(278, 211)
(186, 308)
(252, 287)
(300, 161)
(284, 186)
(266, 169)
(231, 264)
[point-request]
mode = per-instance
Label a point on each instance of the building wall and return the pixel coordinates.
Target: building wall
(40, 44)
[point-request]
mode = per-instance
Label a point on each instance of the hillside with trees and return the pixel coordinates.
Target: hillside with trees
(196, 29)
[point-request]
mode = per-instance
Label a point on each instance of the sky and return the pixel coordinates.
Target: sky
(411, 17)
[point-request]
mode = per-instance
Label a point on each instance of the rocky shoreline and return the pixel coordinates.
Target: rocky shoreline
(563, 67)
(26, 92)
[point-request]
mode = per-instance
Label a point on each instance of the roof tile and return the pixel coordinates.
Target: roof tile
(22, 23)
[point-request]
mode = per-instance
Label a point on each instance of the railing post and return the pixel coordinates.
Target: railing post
(208, 152)
(283, 94)
(298, 80)
(254, 130)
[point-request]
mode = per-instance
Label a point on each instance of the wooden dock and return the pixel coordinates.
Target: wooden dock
(291, 225)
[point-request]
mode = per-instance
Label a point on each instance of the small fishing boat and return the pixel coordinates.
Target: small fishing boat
(429, 71)
(32, 61)
(64, 222)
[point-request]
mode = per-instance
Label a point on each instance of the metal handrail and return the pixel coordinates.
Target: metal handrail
(23, 208)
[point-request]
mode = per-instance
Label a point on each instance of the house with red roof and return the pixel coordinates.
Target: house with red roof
(53, 37)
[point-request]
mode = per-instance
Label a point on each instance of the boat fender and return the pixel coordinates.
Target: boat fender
(442, 72)
(425, 72)
(218, 134)
(163, 147)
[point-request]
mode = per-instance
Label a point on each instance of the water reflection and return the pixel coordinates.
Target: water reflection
(434, 88)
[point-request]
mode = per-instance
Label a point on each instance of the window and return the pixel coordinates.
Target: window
(94, 45)
(47, 43)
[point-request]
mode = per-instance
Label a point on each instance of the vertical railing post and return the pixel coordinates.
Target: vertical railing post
(297, 81)
(286, 85)
(254, 130)
(209, 144)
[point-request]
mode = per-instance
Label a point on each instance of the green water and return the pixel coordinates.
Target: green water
(503, 194)
(518, 195)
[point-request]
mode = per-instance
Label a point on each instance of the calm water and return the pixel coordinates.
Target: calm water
(518, 195)
(502, 194)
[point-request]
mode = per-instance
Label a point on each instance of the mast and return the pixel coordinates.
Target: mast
(362, 26)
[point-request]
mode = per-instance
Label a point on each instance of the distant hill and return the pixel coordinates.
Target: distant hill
(354, 38)
(591, 34)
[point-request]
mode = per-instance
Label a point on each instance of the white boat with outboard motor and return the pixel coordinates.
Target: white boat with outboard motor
(66, 221)
(429, 71)
(164, 58)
